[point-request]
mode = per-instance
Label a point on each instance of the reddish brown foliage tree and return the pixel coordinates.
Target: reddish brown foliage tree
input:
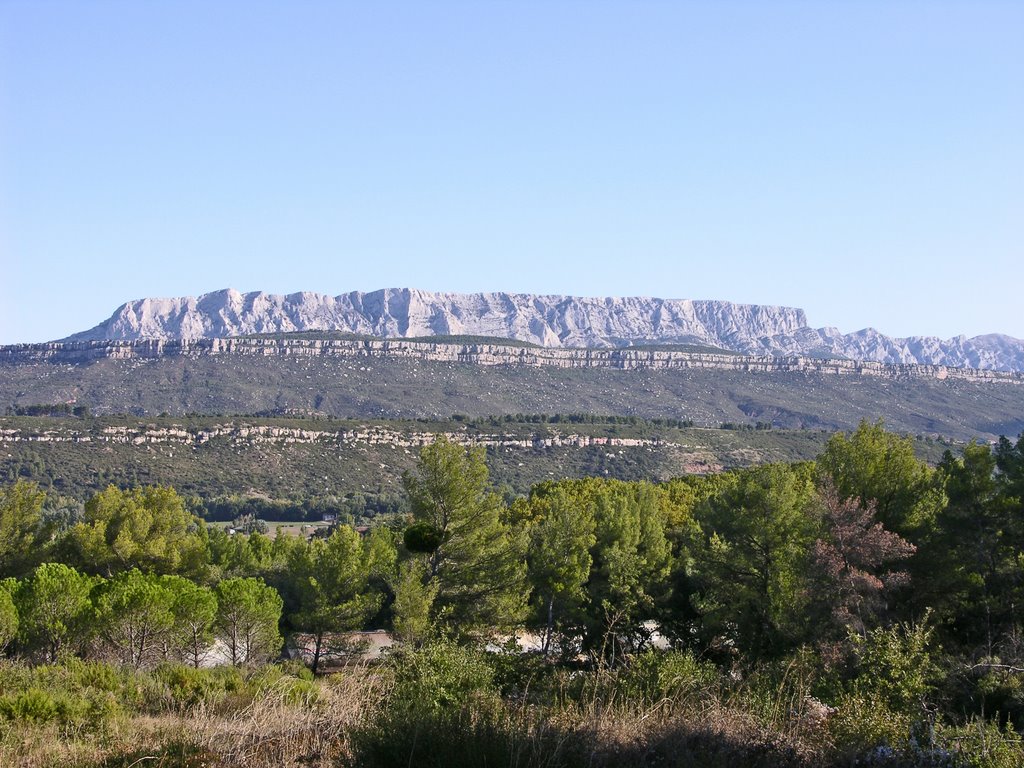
(850, 561)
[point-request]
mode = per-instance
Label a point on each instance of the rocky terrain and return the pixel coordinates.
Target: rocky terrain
(482, 353)
(548, 321)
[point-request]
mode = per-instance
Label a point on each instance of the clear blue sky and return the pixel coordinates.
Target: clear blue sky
(862, 160)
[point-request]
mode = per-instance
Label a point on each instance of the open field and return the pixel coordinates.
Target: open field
(282, 527)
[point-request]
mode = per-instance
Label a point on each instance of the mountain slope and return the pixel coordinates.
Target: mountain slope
(552, 321)
(396, 385)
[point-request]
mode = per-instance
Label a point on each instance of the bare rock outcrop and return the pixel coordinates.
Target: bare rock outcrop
(486, 354)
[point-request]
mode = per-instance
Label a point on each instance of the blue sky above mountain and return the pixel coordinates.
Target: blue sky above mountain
(862, 161)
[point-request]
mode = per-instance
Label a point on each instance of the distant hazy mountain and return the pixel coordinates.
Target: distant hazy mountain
(554, 321)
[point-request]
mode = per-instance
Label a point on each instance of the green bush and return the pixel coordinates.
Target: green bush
(441, 677)
(102, 708)
(181, 688)
(103, 677)
(81, 695)
(33, 705)
(431, 741)
(981, 743)
(443, 710)
(296, 668)
(862, 724)
(88, 711)
(895, 666)
(656, 675)
(291, 683)
(184, 688)
(517, 674)
(997, 692)
(14, 676)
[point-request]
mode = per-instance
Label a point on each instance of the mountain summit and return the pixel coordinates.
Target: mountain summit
(552, 321)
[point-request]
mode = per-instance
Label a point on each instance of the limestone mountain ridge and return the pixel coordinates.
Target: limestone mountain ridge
(545, 320)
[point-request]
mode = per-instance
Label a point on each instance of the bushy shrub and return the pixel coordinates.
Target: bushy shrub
(33, 705)
(433, 742)
(995, 692)
(14, 676)
(861, 725)
(182, 688)
(656, 675)
(99, 675)
(870, 735)
(441, 677)
(8, 619)
(90, 710)
(295, 668)
(981, 743)
(518, 674)
(289, 682)
(895, 666)
(443, 710)
(81, 695)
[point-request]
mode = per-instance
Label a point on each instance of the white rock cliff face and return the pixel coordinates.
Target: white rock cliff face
(551, 321)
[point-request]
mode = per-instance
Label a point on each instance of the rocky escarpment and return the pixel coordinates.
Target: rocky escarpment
(549, 321)
(634, 358)
(257, 434)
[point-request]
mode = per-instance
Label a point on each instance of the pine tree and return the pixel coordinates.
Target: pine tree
(477, 568)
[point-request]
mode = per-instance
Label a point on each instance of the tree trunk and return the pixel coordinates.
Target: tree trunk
(317, 645)
(551, 622)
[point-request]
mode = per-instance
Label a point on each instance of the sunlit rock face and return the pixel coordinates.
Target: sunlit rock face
(550, 321)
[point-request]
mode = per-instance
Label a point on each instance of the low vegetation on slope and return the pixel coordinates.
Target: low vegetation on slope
(398, 388)
(343, 463)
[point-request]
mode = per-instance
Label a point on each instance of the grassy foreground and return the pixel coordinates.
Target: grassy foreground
(446, 705)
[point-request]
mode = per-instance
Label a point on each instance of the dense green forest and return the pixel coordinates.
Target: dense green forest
(862, 608)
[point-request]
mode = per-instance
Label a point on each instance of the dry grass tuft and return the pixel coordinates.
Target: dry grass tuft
(274, 731)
